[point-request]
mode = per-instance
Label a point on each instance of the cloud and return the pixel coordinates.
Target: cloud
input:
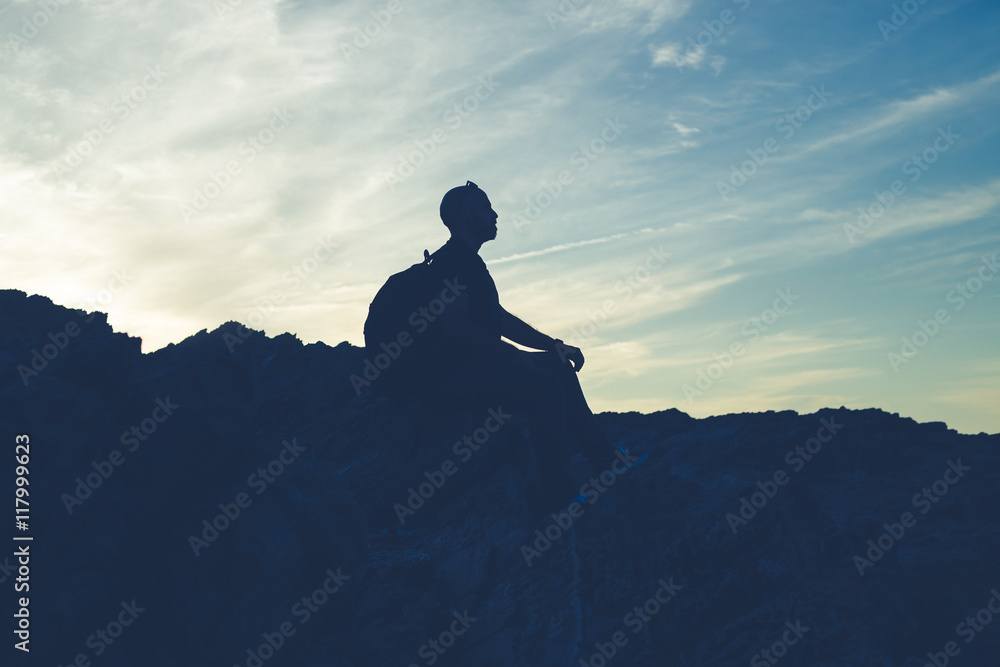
(684, 130)
(677, 54)
(647, 16)
(569, 246)
(900, 113)
(915, 214)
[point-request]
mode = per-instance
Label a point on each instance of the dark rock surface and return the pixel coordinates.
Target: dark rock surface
(469, 559)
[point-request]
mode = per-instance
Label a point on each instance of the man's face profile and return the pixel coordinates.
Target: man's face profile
(480, 216)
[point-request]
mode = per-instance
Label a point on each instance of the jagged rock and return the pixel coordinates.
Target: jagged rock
(339, 509)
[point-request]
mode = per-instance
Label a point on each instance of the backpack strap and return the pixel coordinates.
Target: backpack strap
(428, 256)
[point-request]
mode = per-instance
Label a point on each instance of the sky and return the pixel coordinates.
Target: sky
(730, 206)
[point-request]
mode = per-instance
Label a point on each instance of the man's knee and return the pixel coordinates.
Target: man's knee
(553, 363)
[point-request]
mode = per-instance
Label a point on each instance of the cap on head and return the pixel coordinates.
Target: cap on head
(453, 202)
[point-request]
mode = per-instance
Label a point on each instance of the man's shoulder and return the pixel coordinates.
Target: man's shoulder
(454, 254)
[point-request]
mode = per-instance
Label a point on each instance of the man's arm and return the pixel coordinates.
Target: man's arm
(514, 328)
(466, 334)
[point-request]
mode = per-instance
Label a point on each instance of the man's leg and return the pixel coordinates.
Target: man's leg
(595, 444)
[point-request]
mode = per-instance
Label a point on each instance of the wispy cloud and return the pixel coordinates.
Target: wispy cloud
(899, 114)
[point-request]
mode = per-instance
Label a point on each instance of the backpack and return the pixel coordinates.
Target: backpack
(400, 346)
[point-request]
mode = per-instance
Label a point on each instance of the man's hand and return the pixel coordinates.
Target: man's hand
(570, 354)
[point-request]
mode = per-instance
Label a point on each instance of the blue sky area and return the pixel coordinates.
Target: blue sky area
(669, 176)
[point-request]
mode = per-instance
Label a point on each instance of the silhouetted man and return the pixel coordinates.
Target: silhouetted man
(481, 368)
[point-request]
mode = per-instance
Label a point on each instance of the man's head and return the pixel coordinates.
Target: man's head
(466, 211)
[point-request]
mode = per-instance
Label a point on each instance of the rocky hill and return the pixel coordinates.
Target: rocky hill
(231, 500)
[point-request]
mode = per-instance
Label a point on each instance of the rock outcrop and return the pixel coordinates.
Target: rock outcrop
(230, 500)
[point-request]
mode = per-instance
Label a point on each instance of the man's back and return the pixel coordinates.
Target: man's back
(459, 262)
